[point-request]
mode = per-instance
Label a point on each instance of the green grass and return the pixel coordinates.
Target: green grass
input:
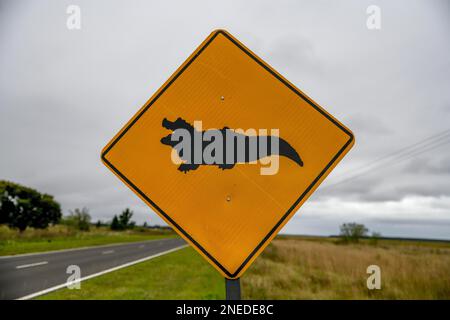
(183, 274)
(290, 268)
(60, 237)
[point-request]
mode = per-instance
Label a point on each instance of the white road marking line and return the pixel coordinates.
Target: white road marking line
(63, 285)
(141, 246)
(32, 265)
(108, 252)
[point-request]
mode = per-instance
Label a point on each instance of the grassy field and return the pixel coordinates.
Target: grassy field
(63, 237)
(290, 268)
(325, 269)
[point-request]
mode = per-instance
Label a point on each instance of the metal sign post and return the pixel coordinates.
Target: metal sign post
(233, 289)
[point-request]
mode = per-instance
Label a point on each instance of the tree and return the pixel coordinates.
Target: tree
(22, 207)
(80, 219)
(115, 225)
(352, 232)
(125, 218)
(123, 221)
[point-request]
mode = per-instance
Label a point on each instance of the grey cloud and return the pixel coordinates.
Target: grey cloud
(436, 165)
(295, 53)
(366, 125)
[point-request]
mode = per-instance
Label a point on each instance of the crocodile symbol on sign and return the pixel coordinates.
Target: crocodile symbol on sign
(222, 147)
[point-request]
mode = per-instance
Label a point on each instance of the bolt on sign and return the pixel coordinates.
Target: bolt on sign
(226, 152)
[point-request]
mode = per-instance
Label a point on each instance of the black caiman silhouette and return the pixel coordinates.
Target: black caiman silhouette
(284, 149)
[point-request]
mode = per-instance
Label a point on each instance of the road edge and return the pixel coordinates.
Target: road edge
(60, 286)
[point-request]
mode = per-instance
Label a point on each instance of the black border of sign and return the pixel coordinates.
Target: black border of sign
(231, 275)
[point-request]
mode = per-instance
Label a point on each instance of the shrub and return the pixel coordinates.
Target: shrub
(79, 219)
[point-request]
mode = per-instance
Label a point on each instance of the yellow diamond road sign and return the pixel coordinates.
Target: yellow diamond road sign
(227, 204)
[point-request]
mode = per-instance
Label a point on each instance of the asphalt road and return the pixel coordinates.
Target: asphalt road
(27, 274)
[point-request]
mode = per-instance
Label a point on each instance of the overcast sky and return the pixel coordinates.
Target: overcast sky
(65, 93)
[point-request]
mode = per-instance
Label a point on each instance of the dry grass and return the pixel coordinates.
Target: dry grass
(305, 269)
(31, 233)
(60, 230)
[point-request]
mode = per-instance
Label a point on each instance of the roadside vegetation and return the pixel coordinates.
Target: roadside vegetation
(292, 267)
(296, 268)
(31, 221)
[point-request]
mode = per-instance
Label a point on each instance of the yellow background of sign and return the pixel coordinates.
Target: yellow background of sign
(231, 232)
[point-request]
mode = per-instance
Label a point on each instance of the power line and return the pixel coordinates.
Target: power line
(436, 137)
(398, 157)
